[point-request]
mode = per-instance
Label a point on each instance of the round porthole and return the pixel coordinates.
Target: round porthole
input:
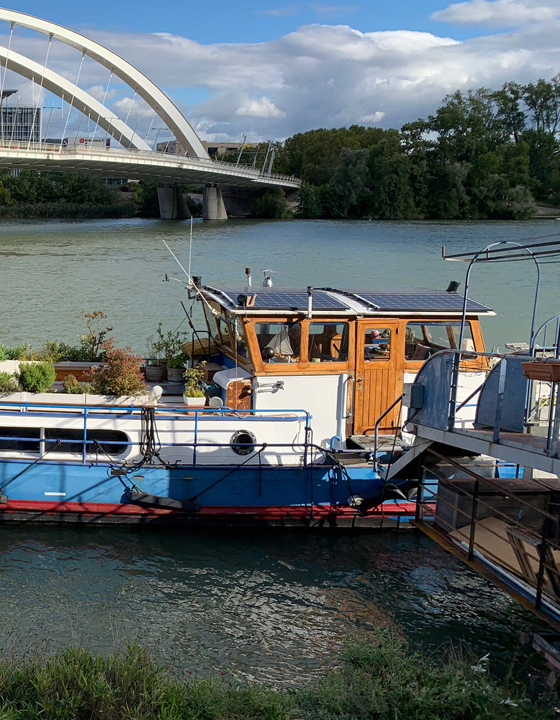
(243, 442)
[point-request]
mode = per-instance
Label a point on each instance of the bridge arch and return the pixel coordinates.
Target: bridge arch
(143, 86)
(82, 100)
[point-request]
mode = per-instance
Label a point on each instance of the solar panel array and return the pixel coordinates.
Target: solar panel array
(296, 300)
(280, 299)
(422, 302)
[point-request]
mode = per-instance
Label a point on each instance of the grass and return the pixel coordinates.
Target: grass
(378, 679)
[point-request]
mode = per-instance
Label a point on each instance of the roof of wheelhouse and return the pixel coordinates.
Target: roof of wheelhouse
(335, 301)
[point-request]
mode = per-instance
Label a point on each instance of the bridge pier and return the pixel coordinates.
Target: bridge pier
(213, 203)
(172, 203)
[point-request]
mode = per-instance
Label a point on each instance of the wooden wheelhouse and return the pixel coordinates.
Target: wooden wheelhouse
(342, 355)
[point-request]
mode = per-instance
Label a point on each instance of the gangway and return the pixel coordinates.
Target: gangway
(494, 483)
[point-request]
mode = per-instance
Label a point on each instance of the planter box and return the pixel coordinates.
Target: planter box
(77, 400)
(194, 402)
(80, 370)
(544, 370)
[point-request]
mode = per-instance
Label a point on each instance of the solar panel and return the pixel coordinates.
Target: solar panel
(422, 301)
(297, 300)
(283, 299)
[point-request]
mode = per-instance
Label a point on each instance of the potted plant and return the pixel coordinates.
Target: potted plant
(163, 348)
(194, 395)
(176, 367)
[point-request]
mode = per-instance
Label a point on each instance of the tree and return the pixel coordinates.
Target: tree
(509, 111)
(389, 166)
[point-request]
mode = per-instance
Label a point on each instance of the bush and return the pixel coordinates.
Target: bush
(36, 377)
(18, 352)
(120, 375)
(8, 383)
(72, 386)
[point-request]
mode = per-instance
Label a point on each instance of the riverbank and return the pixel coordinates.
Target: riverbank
(376, 678)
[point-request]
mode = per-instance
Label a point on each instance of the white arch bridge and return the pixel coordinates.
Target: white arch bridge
(133, 157)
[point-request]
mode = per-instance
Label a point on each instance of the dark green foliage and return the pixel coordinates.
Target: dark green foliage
(36, 377)
(483, 155)
(270, 204)
(379, 679)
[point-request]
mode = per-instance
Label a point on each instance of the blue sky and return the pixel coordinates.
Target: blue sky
(248, 21)
(269, 69)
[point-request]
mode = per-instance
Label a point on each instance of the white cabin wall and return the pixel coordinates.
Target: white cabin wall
(323, 396)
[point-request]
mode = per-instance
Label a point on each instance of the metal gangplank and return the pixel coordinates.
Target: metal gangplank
(504, 525)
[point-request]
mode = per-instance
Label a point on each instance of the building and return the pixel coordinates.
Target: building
(19, 124)
(216, 150)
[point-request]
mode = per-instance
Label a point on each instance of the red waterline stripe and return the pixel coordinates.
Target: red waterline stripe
(319, 511)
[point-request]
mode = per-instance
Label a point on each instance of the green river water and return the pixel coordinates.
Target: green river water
(272, 606)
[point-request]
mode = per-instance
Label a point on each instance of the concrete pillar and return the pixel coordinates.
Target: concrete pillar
(172, 203)
(213, 204)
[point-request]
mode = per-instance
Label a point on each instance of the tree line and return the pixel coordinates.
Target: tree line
(482, 155)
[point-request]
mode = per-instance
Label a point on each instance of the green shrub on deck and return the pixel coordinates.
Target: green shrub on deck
(36, 377)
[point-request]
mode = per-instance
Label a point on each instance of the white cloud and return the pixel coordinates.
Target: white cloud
(372, 118)
(262, 107)
(317, 76)
(101, 93)
(498, 13)
(284, 11)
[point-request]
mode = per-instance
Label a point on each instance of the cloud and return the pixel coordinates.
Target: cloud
(320, 75)
(262, 107)
(279, 11)
(101, 93)
(496, 14)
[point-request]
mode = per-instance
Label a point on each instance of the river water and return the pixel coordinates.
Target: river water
(269, 606)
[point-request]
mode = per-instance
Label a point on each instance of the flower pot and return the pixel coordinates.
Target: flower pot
(175, 375)
(194, 402)
(155, 373)
(547, 371)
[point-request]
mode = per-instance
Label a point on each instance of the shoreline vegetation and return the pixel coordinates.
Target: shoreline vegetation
(377, 678)
(483, 155)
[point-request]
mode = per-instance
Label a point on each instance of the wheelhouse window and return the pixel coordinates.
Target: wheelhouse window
(377, 344)
(424, 339)
(328, 342)
(239, 340)
(217, 324)
(279, 342)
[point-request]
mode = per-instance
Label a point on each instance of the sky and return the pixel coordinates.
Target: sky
(267, 69)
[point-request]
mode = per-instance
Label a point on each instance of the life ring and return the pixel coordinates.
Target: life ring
(243, 442)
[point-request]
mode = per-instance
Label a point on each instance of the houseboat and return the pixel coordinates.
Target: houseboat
(306, 397)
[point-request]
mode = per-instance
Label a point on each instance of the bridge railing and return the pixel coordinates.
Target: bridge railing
(162, 158)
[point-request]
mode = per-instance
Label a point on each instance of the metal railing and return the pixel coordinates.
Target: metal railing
(546, 393)
(160, 157)
(192, 416)
(490, 520)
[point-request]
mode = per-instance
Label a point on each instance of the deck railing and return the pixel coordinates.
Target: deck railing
(192, 416)
(498, 522)
(507, 399)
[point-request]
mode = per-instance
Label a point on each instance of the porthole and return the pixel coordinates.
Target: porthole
(243, 442)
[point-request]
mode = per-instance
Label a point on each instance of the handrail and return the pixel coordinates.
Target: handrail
(378, 422)
(160, 157)
(554, 417)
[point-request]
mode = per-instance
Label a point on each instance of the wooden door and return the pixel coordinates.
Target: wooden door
(379, 375)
